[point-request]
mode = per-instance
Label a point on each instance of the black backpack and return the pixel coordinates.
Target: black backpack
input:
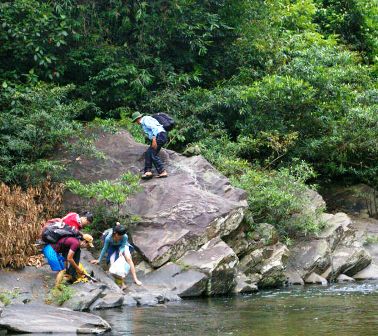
(54, 231)
(164, 120)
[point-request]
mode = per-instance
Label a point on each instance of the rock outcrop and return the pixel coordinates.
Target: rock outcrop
(339, 252)
(180, 213)
(39, 318)
(191, 239)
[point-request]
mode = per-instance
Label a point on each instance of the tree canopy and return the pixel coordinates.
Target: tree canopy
(277, 83)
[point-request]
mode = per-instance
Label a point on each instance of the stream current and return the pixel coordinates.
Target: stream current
(340, 309)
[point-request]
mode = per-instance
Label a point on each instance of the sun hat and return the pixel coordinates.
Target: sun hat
(136, 115)
(89, 239)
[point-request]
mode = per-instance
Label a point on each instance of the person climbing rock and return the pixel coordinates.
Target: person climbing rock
(64, 256)
(116, 244)
(78, 221)
(158, 136)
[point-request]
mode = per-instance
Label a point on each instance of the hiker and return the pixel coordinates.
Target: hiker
(158, 136)
(116, 244)
(64, 256)
(78, 221)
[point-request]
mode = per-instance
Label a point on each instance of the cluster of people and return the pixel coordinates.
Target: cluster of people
(63, 256)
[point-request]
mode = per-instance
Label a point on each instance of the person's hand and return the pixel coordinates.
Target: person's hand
(94, 262)
(154, 143)
(80, 272)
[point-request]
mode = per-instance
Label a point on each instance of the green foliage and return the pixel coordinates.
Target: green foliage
(253, 84)
(109, 197)
(34, 120)
(114, 193)
(60, 294)
(32, 37)
(356, 21)
(278, 197)
(6, 297)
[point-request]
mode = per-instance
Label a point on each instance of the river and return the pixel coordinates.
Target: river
(340, 309)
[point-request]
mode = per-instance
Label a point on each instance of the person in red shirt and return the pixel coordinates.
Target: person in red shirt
(64, 256)
(78, 221)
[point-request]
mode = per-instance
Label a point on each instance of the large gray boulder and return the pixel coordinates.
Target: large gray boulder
(368, 273)
(38, 318)
(349, 261)
(180, 213)
(273, 268)
(217, 260)
(243, 240)
(309, 256)
(172, 278)
(336, 229)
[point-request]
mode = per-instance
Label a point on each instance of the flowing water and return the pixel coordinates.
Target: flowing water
(342, 310)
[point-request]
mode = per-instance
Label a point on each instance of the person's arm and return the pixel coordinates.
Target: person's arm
(127, 256)
(72, 262)
(153, 126)
(104, 248)
(153, 143)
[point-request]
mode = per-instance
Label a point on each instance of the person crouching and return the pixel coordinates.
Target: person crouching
(64, 256)
(115, 245)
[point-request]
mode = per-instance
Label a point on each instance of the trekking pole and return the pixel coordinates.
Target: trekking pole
(90, 277)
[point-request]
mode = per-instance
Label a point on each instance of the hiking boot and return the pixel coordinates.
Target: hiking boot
(163, 174)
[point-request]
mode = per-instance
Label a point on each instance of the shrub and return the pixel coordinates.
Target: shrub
(109, 197)
(22, 213)
(34, 121)
(279, 198)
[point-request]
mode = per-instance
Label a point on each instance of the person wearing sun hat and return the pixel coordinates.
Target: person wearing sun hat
(64, 256)
(158, 136)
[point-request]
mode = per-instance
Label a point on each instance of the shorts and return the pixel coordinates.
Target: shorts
(55, 260)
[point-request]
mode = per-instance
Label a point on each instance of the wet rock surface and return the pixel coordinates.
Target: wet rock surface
(39, 318)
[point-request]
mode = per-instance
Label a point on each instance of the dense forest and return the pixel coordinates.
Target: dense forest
(277, 94)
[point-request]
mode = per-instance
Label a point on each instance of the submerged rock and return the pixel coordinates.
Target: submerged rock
(244, 284)
(38, 318)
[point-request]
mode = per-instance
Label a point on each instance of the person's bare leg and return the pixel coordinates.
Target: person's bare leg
(132, 269)
(59, 277)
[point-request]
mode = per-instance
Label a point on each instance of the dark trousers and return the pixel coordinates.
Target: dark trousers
(71, 270)
(151, 155)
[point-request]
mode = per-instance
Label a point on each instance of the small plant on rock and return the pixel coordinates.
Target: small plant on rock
(109, 197)
(60, 294)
